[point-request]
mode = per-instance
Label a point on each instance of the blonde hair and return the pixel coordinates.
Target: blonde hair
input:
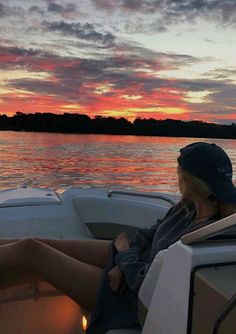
(200, 187)
(227, 209)
(196, 185)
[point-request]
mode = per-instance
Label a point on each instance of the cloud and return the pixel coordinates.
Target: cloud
(54, 7)
(2, 10)
(98, 84)
(6, 10)
(36, 10)
(65, 11)
(121, 73)
(222, 73)
(16, 57)
(81, 31)
(136, 65)
(174, 11)
(225, 96)
(132, 4)
(70, 77)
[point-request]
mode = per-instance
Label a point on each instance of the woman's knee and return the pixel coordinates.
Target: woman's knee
(28, 247)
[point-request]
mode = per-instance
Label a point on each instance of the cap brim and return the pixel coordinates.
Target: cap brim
(224, 191)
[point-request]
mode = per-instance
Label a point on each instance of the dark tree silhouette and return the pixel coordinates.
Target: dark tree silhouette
(79, 123)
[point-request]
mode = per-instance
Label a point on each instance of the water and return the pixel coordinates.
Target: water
(61, 160)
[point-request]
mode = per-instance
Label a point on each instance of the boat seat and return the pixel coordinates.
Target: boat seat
(110, 216)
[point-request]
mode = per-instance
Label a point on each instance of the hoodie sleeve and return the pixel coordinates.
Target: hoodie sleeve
(133, 267)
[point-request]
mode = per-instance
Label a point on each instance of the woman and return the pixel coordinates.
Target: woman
(105, 277)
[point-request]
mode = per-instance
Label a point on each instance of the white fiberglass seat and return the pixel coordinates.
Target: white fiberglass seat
(166, 287)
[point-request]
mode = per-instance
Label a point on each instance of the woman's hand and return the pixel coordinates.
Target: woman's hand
(122, 242)
(116, 279)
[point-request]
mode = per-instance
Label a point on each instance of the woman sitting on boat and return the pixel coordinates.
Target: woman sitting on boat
(105, 276)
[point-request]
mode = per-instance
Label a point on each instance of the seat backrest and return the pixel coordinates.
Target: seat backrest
(210, 230)
(149, 283)
(169, 308)
(120, 211)
(148, 286)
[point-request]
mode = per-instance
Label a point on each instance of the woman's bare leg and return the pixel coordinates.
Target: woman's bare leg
(94, 252)
(76, 279)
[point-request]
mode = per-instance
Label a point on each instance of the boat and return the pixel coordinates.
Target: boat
(190, 288)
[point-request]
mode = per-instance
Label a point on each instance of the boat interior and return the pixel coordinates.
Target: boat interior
(190, 288)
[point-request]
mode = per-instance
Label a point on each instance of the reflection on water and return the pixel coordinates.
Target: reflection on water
(59, 160)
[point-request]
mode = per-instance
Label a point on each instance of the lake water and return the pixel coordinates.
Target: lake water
(61, 160)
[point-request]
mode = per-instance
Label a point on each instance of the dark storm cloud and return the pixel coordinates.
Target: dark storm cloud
(82, 31)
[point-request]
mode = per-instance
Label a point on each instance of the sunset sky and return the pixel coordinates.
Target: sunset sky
(121, 58)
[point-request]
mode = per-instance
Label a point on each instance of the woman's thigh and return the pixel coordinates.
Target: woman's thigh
(94, 252)
(77, 279)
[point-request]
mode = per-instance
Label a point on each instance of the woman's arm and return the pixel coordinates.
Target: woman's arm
(133, 269)
(127, 260)
(128, 256)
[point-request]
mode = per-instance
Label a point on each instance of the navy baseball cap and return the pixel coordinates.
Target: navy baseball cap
(211, 164)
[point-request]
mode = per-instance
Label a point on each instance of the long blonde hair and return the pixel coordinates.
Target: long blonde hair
(200, 187)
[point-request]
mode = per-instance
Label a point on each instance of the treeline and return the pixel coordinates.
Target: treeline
(77, 123)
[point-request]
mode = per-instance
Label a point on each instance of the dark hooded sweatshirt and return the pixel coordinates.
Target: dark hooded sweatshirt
(115, 310)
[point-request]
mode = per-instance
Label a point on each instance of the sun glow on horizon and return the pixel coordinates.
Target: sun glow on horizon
(110, 59)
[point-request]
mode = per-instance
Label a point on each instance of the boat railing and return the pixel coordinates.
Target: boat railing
(140, 194)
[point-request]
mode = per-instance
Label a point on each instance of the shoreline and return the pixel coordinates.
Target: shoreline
(83, 124)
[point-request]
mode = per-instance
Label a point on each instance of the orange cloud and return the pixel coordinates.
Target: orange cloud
(119, 86)
(30, 103)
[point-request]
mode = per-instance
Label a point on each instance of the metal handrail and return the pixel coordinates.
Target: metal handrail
(140, 194)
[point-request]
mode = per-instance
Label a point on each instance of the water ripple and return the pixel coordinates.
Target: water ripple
(60, 160)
